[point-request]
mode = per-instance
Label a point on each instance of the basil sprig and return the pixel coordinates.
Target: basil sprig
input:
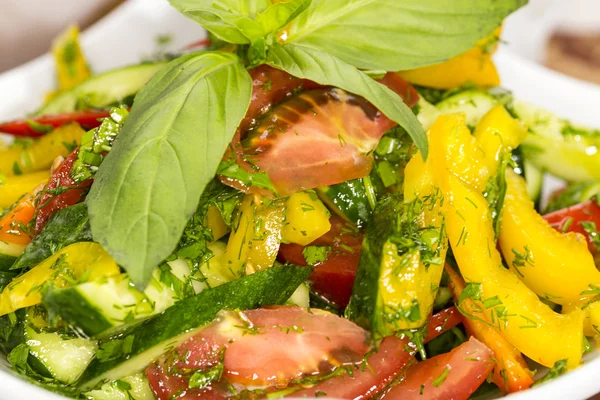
(169, 149)
(182, 121)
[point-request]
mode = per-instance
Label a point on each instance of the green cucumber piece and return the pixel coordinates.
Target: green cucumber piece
(348, 200)
(133, 349)
(102, 305)
(535, 180)
(134, 387)
(9, 252)
(67, 226)
(63, 357)
(473, 103)
(102, 90)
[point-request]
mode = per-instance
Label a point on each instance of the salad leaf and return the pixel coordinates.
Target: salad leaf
(397, 35)
(229, 20)
(325, 69)
(280, 14)
(149, 185)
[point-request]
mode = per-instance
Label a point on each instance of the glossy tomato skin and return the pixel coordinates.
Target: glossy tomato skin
(570, 220)
(87, 119)
(60, 192)
(333, 278)
(451, 376)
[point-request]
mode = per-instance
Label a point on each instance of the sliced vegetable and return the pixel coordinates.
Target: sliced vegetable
(455, 375)
(15, 228)
(12, 188)
(134, 349)
(134, 387)
(393, 290)
(71, 66)
(510, 372)
(65, 227)
(60, 192)
(102, 90)
(348, 200)
(65, 357)
(473, 103)
(95, 307)
(257, 232)
(306, 219)
(34, 155)
(335, 257)
(583, 218)
(265, 347)
(30, 127)
(79, 262)
(474, 66)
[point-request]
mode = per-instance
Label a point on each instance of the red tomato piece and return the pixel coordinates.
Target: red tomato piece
(269, 346)
(451, 376)
(334, 277)
(60, 192)
(87, 119)
(569, 220)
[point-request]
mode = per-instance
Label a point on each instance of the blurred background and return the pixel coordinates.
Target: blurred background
(562, 34)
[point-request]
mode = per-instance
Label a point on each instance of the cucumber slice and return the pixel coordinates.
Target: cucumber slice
(348, 200)
(104, 89)
(133, 349)
(95, 307)
(535, 179)
(9, 252)
(134, 387)
(63, 357)
(473, 103)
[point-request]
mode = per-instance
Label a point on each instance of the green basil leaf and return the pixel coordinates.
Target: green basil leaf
(150, 183)
(229, 20)
(396, 35)
(318, 66)
(280, 14)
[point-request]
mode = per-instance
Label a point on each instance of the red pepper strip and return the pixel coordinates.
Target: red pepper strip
(60, 192)
(384, 365)
(570, 219)
(21, 127)
(199, 43)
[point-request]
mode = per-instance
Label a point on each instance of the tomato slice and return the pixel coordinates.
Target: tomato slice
(269, 346)
(24, 127)
(334, 277)
(570, 219)
(454, 375)
(60, 192)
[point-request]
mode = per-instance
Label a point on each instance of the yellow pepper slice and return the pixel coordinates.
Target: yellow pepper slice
(38, 154)
(71, 66)
(256, 236)
(474, 66)
(558, 267)
(79, 262)
(306, 219)
(11, 189)
(214, 221)
(498, 132)
(519, 315)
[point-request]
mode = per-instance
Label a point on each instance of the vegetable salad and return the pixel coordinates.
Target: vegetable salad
(325, 198)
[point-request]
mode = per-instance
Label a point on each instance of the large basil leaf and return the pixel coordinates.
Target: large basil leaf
(280, 14)
(323, 68)
(229, 20)
(397, 34)
(169, 149)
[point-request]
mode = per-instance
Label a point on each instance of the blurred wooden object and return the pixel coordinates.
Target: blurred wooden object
(575, 54)
(27, 27)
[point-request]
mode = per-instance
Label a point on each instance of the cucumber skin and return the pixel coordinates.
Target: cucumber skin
(269, 287)
(75, 307)
(6, 262)
(348, 200)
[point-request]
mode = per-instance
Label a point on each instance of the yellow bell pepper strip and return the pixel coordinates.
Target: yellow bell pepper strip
(511, 373)
(215, 222)
(37, 154)
(498, 132)
(256, 236)
(556, 266)
(306, 219)
(71, 66)
(591, 312)
(12, 188)
(518, 314)
(474, 66)
(79, 262)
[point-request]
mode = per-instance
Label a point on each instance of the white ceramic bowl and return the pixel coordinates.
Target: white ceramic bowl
(129, 33)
